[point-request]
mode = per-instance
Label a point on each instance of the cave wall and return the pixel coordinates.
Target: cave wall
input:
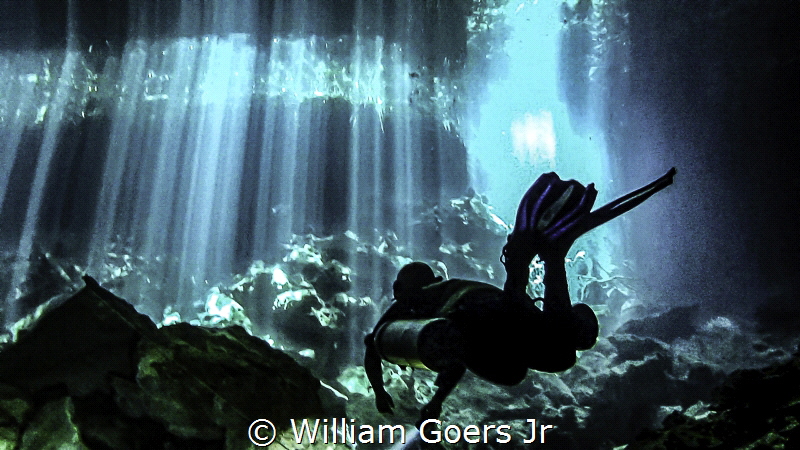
(712, 88)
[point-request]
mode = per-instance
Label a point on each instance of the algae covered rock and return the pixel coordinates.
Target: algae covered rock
(205, 381)
(53, 427)
(91, 372)
(15, 405)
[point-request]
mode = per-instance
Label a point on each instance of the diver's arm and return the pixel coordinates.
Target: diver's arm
(445, 382)
(374, 369)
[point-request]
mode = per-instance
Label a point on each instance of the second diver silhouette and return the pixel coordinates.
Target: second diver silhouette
(456, 325)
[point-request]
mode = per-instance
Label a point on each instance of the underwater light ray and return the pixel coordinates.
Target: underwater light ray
(265, 173)
(315, 144)
(170, 147)
(376, 131)
(107, 221)
(178, 107)
(378, 200)
(216, 133)
(302, 196)
(204, 135)
(267, 166)
(233, 135)
(197, 219)
(402, 155)
(22, 95)
(355, 138)
(287, 154)
(53, 123)
(354, 182)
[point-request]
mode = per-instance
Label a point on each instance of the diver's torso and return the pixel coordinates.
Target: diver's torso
(469, 304)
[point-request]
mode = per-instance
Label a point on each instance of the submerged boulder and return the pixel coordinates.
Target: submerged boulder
(76, 343)
(53, 427)
(678, 322)
(91, 372)
(205, 381)
(752, 409)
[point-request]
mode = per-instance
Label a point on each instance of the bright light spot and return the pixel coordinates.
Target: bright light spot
(498, 220)
(279, 278)
(40, 114)
(533, 139)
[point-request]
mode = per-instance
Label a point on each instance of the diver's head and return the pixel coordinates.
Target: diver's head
(412, 278)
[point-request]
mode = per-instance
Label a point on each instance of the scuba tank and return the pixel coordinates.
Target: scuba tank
(432, 344)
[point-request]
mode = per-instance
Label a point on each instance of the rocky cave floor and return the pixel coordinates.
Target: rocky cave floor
(86, 369)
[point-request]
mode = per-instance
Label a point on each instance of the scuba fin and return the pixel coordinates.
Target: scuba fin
(551, 204)
(627, 202)
(555, 212)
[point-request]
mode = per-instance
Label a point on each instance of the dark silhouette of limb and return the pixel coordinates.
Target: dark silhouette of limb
(558, 353)
(554, 213)
(551, 216)
(445, 382)
(372, 359)
(374, 369)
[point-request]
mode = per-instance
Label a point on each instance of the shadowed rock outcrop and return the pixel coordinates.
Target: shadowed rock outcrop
(91, 372)
(755, 409)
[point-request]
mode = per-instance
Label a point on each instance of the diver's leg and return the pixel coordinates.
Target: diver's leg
(446, 381)
(558, 237)
(523, 241)
(548, 226)
(556, 302)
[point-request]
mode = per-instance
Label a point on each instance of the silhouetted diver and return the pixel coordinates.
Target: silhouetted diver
(454, 325)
